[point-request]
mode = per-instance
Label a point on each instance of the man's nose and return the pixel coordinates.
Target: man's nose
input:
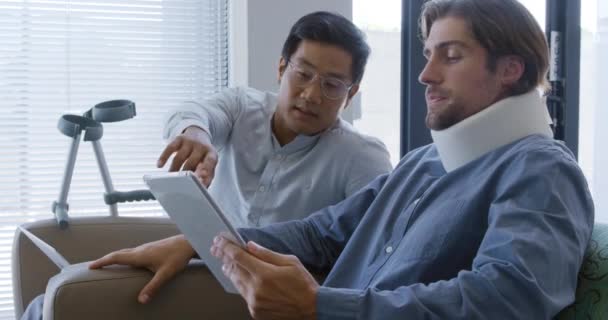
(313, 91)
(430, 74)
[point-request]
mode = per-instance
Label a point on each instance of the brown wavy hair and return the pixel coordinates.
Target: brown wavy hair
(503, 28)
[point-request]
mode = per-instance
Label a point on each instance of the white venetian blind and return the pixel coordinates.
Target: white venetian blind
(59, 57)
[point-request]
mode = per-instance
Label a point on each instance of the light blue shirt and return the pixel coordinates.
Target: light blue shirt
(501, 237)
(258, 181)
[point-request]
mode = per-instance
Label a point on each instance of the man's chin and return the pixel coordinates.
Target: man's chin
(437, 123)
(306, 131)
(302, 128)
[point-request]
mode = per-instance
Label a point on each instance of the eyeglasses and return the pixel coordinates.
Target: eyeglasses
(331, 87)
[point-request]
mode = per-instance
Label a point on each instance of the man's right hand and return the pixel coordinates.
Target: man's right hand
(165, 258)
(193, 151)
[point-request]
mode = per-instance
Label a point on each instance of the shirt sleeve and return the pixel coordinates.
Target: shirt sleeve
(318, 240)
(215, 115)
(370, 160)
(539, 224)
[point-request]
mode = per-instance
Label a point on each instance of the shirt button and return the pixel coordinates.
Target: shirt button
(279, 157)
(262, 189)
(389, 249)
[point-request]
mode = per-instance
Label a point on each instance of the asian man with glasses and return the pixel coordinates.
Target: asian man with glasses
(265, 149)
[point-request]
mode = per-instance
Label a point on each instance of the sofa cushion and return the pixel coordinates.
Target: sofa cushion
(592, 290)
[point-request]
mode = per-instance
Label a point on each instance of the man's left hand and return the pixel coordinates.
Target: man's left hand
(275, 286)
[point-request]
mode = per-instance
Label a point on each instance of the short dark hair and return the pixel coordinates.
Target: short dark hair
(502, 27)
(334, 29)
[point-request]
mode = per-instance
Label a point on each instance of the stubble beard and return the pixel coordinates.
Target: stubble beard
(445, 118)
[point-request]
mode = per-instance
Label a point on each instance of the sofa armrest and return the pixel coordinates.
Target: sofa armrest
(111, 293)
(86, 238)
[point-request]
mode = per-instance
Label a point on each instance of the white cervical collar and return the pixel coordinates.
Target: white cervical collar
(503, 122)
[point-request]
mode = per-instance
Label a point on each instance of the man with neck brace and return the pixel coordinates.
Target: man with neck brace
(491, 221)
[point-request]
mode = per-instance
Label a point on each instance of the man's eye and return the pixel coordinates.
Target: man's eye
(452, 59)
(304, 75)
(332, 84)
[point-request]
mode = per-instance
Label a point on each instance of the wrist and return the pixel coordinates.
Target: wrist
(185, 246)
(197, 133)
(313, 307)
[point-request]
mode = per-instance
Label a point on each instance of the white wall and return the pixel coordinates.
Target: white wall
(258, 30)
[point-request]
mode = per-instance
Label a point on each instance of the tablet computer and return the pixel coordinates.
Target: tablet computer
(196, 214)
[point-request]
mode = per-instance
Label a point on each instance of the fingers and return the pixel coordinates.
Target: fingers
(181, 156)
(158, 280)
(230, 253)
(205, 170)
(240, 278)
(190, 155)
(269, 256)
(118, 257)
(194, 158)
(169, 150)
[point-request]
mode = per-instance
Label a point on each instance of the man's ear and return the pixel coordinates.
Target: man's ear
(282, 67)
(511, 69)
(353, 91)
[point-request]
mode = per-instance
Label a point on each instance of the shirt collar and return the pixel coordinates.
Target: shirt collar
(505, 121)
(300, 142)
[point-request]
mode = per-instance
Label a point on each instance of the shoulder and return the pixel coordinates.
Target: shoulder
(360, 158)
(541, 174)
(245, 95)
(265, 101)
(249, 99)
(540, 165)
(539, 151)
(344, 134)
(350, 144)
(353, 148)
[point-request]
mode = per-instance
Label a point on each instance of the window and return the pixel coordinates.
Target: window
(381, 85)
(538, 10)
(59, 57)
(592, 152)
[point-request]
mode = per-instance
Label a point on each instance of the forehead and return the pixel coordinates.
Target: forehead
(450, 31)
(324, 58)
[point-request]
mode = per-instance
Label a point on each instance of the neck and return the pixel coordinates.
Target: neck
(503, 122)
(283, 134)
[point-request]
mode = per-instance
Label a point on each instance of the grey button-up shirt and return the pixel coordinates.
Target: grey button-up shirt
(258, 181)
(502, 237)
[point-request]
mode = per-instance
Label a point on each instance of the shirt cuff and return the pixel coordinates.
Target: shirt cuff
(333, 303)
(184, 124)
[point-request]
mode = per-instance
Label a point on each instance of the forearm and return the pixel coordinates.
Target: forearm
(471, 295)
(294, 237)
(189, 114)
(319, 239)
(215, 115)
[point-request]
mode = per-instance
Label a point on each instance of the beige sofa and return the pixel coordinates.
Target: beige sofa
(111, 293)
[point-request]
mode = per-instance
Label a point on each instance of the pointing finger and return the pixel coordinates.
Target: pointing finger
(168, 151)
